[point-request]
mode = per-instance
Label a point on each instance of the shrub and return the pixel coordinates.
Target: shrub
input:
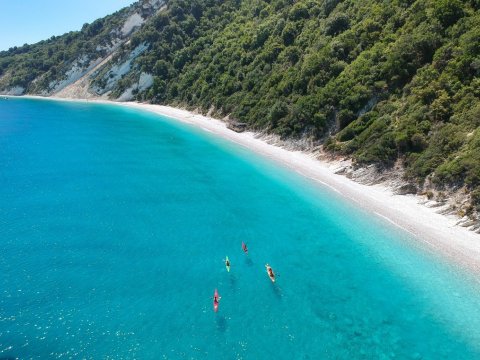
(447, 11)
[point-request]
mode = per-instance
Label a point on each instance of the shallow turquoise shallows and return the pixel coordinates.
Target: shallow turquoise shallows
(114, 223)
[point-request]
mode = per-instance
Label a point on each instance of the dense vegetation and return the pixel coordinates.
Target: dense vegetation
(380, 81)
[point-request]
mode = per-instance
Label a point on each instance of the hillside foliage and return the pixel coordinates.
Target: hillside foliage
(378, 81)
(33, 67)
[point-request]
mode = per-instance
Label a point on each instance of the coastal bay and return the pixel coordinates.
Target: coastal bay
(436, 231)
(116, 220)
(240, 180)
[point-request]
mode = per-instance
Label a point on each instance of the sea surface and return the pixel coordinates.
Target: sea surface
(114, 224)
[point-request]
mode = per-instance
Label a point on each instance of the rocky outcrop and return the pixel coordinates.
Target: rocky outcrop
(144, 82)
(236, 126)
(98, 67)
(15, 91)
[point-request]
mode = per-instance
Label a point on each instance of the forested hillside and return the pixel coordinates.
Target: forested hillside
(380, 81)
(48, 66)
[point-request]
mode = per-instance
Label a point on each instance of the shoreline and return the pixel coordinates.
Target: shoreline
(435, 231)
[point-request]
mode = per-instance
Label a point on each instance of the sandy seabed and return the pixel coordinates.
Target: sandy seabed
(437, 232)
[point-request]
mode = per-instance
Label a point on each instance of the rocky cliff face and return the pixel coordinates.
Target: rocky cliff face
(84, 64)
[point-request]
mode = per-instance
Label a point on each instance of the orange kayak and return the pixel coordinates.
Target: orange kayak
(270, 273)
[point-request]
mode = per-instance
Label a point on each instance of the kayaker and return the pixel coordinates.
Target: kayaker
(216, 299)
(270, 272)
(244, 247)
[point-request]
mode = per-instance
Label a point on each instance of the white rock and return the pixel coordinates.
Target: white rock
(127, 95)
(16, 91)
(133, 21)
(145, 81)
(79, 68)
(117, 71)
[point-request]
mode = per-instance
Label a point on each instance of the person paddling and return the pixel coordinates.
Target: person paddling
(216, 300)
(227, 263)
(244, 247)
(270, 273)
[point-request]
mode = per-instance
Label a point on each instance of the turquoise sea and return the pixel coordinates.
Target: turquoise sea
(114, 223)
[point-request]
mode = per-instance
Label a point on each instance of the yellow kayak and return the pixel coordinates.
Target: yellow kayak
(227, 263)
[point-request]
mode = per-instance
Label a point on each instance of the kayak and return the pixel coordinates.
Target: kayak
(227, 263)
(216, 299)
(272, 276)
(244, 247)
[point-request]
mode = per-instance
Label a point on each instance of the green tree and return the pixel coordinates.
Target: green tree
(448, 11)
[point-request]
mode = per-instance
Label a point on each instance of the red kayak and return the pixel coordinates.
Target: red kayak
(216, 299)
(244, 247)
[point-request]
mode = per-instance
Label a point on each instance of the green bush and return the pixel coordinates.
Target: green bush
(448, 11)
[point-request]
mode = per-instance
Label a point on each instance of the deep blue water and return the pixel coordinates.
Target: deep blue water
(114, 224)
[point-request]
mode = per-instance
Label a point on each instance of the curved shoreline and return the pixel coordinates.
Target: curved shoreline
(438, 232)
